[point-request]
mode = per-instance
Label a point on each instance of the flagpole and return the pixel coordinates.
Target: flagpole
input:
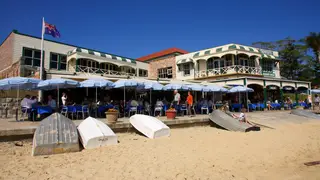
(41, 57)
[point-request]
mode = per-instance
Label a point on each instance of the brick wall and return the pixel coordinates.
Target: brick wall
(154, 65)
(6, 53)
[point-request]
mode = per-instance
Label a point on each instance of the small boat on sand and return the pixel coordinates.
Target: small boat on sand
(149, 126)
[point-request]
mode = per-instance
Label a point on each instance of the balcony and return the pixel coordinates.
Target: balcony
(102, 72)
(239, 69)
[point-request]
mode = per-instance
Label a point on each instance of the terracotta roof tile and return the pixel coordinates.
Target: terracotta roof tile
(162, 53)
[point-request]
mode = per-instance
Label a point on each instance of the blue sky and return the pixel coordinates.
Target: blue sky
(137, 28)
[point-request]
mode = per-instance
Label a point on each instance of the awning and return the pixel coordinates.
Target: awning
(183, 61)
(103, 55)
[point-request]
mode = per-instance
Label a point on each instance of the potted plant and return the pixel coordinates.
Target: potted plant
(171, 113)
(112, 116)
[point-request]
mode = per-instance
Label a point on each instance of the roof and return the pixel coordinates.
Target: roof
(19, 33)
(162, 53)
(229, 47)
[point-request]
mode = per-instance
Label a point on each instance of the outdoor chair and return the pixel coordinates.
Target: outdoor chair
(25, 112)
(158, 109)
(204, 108)
(184, 109)
(64, 111)
(85, 110)
(133, 109)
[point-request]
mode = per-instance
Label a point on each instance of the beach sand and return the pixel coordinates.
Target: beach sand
(189, 153)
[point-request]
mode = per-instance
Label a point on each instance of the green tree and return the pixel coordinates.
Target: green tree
(313, 42)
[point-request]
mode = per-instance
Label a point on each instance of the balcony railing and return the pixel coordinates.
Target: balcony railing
(97, 71)
(228, 70)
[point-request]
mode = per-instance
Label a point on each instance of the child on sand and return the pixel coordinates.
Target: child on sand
(242, 117)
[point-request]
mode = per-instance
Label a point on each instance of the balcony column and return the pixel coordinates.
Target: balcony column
(232, 60)
(137, 72)
(77, 64)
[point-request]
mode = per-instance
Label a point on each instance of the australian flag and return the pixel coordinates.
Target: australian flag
(51, 30)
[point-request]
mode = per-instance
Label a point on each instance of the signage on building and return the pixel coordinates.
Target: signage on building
(288, 88)
(267, 52)
(273, 87)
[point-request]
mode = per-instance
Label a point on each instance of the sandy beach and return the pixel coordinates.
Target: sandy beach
(189, 153)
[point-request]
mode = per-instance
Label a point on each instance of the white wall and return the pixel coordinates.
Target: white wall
(21, 41)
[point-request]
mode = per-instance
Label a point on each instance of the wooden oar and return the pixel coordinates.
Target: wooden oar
(312, 163)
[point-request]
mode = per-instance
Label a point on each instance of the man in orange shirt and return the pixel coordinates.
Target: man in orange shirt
(190, 103)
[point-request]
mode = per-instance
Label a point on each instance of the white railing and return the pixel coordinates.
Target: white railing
(97, 71)
(229, 70)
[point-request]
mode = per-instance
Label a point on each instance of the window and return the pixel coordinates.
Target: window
(267, 65)
(186, 69)
(143, 73)
(58, 61)
(165, 73)
(31, 57)
(229, 60)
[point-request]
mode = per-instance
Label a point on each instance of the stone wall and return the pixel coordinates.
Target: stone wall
(8, 107)
(154, 65)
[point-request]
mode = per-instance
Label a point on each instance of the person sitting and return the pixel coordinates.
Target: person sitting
(140, 102)
(26, 104)
(52, 103)
(269, 105)
(165, 102)
(159, 103)
(210, 104)
(242, 117)
(134, 103)
(85, 101)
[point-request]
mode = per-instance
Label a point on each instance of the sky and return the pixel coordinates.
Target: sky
(136, 28)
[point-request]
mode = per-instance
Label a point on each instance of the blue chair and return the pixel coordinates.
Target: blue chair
(204, 107)
(236, 106)
(84, 110)
(184, 109)
(64, 111)
(133, 109)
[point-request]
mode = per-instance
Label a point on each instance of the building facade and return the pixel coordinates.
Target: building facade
(20, 56)
(162, 64)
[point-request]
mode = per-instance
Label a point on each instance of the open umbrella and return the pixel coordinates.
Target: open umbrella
(173, 86)
(315, 91)
(18, 83)
(239, 89)
(57, 84)
(126, 83)
(96, 83)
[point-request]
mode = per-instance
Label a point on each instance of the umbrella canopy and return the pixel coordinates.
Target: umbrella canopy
(214, 88)
(315, 91)
(19, 83)
(195, 87)
(126, 83)
(240, 89)
(57, 83)
(96, 83)
(153, 85)
(172, 86)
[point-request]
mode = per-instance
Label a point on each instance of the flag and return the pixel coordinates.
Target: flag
(51, 30)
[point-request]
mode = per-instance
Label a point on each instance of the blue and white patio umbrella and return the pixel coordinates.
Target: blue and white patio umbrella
(315, 91)
(19, 83)
(153, 85)
(240, 89)
(126, 83)
(95, 83)
(213, 89)
(195, 87)
(173, 86)
(57, 84)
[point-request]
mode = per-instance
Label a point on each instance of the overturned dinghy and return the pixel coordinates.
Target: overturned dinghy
(304, 113)
(226, 121)
(149, 126)
(55, 134)
(94, 133)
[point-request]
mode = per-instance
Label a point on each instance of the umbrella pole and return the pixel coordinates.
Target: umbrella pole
(150, 97)
(124, 95)
(96, 94)
(247, 100)
(17, 112)
(214, 104)
(58, 97)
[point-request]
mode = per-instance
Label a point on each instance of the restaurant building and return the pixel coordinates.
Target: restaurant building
(20, 56)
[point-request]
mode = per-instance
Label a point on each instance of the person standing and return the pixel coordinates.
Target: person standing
(52, 102)
(190, 103)
(176, 98)
(64, 99)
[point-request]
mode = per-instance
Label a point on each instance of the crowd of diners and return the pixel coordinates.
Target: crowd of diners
(183, 102)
